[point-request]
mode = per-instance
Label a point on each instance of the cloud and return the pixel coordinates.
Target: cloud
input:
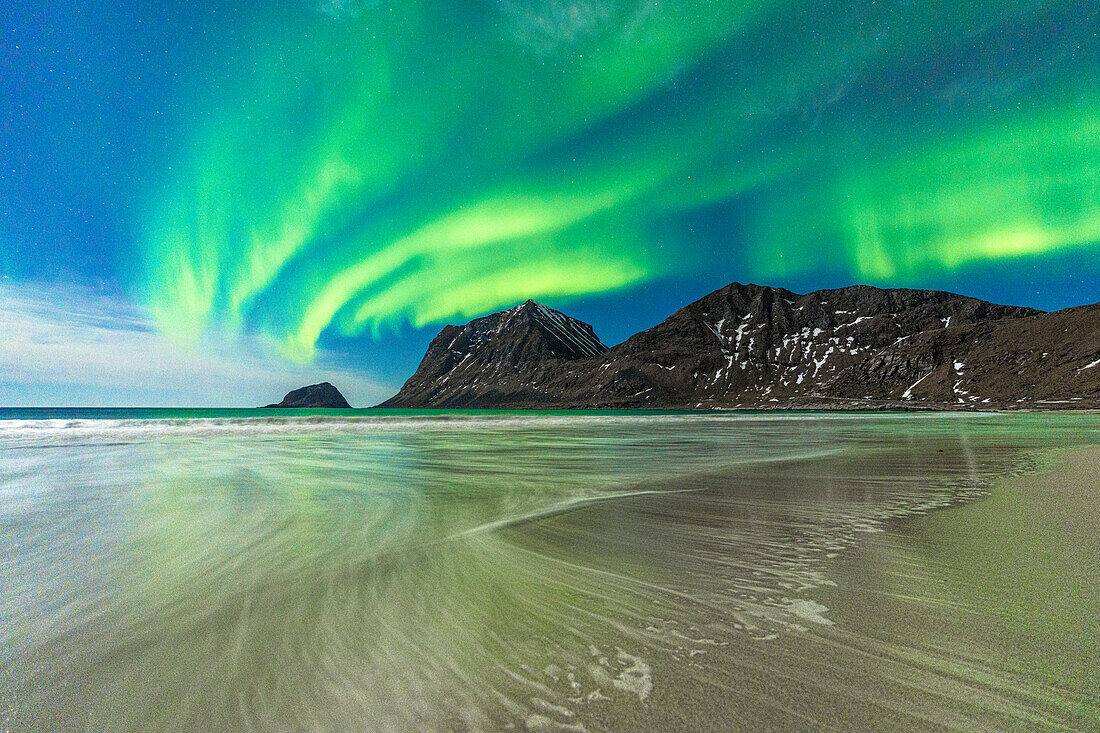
(344, 8)
(70, 345)
(546, 26)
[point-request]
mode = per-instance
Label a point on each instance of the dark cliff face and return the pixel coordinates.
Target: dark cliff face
(758, 347)
(1042, 360)
(753, 346)
(499, 358)
(322, 395)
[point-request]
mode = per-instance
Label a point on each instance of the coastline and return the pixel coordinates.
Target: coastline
(266, 413)
(953, 619)
(990, 590)
(770, 572)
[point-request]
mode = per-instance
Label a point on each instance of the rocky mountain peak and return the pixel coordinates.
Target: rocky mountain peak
(528, 337)
(758, 346)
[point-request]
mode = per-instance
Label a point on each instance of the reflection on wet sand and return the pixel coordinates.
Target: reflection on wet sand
(579, 573)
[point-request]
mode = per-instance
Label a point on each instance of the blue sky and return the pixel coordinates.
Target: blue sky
(212, 203)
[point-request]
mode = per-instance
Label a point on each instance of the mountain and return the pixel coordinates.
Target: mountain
(500, 359)
(322, 395)
(752, 346)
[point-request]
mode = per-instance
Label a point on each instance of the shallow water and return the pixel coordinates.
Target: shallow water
(401, 571)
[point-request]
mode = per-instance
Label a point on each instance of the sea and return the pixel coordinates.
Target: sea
(389, 570)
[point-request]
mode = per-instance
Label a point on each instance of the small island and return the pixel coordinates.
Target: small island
(318, 396)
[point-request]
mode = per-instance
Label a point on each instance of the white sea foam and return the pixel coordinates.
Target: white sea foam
(807, 610)
(31, 432)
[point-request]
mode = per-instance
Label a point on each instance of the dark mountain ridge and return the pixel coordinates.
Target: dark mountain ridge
(751, 346)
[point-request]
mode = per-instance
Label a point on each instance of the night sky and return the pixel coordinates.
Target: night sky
(215, 202)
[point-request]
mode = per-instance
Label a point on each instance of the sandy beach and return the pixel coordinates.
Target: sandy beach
(551, 572)
(985, 594)
(981, 616)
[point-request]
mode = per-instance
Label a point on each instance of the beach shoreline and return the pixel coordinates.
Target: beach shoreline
(767, 572)
(1001, 586)
(924, 624)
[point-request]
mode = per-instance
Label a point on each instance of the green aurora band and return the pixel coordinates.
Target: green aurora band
(426, 161)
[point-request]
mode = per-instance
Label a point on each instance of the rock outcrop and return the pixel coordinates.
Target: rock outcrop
(322, 395)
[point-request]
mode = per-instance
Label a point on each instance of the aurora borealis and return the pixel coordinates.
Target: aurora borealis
(349, 175)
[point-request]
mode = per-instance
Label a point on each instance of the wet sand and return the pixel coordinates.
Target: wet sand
(981, 616)
(557, 572)
(994, 591)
